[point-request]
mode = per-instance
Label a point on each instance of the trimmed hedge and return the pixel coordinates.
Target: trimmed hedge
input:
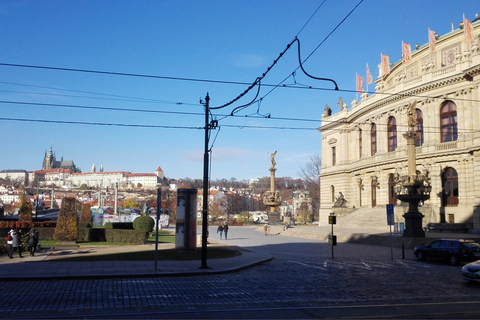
(125, 236)
(119, 225)
(144, 223)
(91, 235)
(85, 235)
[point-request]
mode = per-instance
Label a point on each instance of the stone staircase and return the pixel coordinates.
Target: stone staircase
(365, 218)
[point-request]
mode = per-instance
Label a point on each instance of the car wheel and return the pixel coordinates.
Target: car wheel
(453, 260)
(420, 256)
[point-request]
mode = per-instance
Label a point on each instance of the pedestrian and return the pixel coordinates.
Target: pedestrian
(32, 242)
(10, 243)
(225, 230)
(16, 242)
(220, 230)
(265, 228)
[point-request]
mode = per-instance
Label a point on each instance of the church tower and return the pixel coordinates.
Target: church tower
(48, 160)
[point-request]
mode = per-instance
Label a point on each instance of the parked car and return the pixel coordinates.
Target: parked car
(471, 271)
(451, 250)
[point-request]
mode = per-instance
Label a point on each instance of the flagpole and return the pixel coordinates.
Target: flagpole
(366, 77)
(356, 86)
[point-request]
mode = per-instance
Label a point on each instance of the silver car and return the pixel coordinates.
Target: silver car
(471, 271)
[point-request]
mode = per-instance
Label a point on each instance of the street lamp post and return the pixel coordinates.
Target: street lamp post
(414, 187)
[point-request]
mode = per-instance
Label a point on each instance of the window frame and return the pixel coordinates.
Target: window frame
(419, 140)
(392, 134)
(448, 122)
(373, 139)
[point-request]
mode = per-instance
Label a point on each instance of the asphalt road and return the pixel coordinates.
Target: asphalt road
(302, 282)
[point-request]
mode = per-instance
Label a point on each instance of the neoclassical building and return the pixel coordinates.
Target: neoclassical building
(363, 147)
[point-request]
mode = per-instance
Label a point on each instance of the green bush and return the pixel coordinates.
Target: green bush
(91, 234)
(86, 214)
(125, 236)
(144, 223)
(83, 225)
(67, 224)
(119, 225)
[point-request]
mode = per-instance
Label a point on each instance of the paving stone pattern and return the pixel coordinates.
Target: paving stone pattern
(303, 273)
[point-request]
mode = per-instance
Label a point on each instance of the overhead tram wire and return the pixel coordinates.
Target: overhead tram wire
(308, 57)
(140, 110)
(103, 96)
(258, 80)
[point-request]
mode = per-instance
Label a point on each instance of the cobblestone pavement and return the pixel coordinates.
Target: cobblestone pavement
(303, 274)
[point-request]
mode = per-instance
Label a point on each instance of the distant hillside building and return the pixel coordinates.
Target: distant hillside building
(109, 179)
(50, 162)
(20, 176)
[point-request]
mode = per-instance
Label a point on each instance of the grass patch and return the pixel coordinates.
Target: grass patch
(149, 255)
(163, 237)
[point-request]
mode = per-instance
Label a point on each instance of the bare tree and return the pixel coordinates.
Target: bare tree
(310, 176)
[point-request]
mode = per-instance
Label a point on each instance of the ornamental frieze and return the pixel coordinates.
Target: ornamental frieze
(450, 55)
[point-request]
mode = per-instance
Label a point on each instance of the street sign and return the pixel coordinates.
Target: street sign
(390, 215)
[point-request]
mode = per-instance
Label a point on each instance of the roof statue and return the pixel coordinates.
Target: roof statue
(272, 158)
(411, 114)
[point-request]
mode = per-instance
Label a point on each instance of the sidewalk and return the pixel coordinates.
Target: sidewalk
(42, 266)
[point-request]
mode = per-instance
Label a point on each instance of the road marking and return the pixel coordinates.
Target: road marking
(308, 265)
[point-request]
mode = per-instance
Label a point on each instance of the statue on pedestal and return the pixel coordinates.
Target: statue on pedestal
(340, 202)
(272, 158)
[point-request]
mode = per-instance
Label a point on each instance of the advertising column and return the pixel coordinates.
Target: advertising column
(186, 222)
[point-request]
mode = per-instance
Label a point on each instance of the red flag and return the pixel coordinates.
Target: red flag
(407, 53)
(369, 76)
(359, 84)
(385, 66)
(431, 40)
(468, 31)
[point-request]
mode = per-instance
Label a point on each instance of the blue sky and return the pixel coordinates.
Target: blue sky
(229, 42)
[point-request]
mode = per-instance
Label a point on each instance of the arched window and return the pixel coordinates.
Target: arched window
(448, 121)
(419, 127)
(360, 143)
(392, 134)
(392, 196)
(373, 138)
(449, 188)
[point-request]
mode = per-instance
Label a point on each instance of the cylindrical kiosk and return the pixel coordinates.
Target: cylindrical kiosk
(186, 222)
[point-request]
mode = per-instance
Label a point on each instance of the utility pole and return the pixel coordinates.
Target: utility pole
(205, 186)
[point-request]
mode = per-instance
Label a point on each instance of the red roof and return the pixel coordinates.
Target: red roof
(141, 175)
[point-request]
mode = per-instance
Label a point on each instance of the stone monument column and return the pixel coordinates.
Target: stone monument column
(272, 199)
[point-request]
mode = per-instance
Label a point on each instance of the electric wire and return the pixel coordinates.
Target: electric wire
(308, 57)
(105, 96)
(380, 126)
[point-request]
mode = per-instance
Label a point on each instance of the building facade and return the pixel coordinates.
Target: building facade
(18, 176)
(363, 147)
(120, 178)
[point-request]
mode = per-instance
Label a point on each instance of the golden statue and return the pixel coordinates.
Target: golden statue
(411, 115)
(272, 158)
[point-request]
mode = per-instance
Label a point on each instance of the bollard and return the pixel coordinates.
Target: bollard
(403, 251)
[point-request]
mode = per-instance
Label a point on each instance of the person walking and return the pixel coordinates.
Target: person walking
(10, 243)
(220, 230)
(16, 242)
(32, 242)
(225, 230)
